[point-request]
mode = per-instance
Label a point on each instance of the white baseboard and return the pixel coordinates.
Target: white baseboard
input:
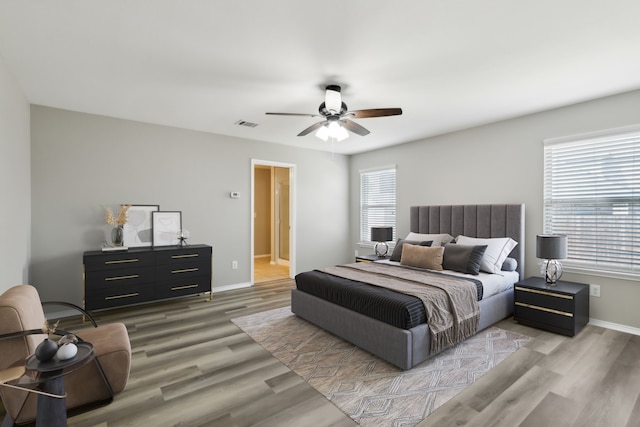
(615, 326)
(231, 287)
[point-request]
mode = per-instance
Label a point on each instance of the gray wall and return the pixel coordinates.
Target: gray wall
(81, 162)
(15, 182)
(503, 163)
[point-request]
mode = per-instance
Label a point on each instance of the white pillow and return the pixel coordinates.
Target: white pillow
(437, 239)
(498, 250)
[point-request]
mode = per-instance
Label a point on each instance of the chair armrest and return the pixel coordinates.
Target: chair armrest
(78, 308)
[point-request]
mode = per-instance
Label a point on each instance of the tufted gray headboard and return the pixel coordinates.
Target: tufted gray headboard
(480, 221)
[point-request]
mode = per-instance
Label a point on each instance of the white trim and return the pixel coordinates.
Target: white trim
(292, 212)
(615, 326)
(378, 168)
(601, 134)
(231, 287)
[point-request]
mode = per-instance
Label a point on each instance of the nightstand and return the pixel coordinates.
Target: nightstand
(370, 258)
(563, 308)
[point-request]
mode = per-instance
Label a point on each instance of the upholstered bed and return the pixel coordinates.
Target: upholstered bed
(407, 347)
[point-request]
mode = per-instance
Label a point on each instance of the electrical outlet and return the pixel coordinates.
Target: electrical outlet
(234, 265)
(594, 290)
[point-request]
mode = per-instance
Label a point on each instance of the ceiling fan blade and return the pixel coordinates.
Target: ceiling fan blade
(311, 128)
(293, 114)
(375, 112)
(333, 99)
(354, 127)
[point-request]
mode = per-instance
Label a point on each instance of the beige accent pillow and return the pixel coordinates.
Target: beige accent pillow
(422, 256)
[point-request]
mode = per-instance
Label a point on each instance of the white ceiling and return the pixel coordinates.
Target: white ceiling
(205, 64)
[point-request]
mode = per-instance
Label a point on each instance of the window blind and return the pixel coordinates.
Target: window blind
(592, 194)
(377, 201)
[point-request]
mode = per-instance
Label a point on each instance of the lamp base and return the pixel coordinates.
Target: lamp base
(381, 249)
(551, 270)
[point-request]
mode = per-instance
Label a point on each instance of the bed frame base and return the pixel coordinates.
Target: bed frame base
(404, 348)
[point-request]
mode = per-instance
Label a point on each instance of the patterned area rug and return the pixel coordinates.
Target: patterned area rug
(371, 391)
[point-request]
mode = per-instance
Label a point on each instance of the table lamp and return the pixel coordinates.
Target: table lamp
(551, 248)
(381, 235)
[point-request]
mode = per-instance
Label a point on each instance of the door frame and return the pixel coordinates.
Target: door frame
(292, 212)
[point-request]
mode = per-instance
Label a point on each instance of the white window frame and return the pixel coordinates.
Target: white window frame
(592, 194)
(384, 202)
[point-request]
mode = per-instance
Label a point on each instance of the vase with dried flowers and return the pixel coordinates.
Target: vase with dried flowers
(119, 221)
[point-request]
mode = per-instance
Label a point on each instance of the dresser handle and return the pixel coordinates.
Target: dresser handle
(185, 270)
(135, 294)
(549, 294)
(178, 288)
(549, 310)
(122, 261)
(184, 256)
(132, 276)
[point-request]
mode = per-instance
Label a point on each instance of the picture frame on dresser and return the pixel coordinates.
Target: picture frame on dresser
(138, 230)
(166, 228)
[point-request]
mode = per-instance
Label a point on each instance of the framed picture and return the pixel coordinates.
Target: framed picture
(138, 231)
(166, 228)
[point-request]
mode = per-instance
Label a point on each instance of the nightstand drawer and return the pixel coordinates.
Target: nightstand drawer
(560, 321)
(543, 298)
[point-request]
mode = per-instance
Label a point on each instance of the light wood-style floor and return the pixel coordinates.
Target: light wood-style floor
(193, 367)
(264, 271)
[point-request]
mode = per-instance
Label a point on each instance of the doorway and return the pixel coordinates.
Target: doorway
(272, 225)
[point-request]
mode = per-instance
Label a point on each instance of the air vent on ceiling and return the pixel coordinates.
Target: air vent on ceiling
(246, 124)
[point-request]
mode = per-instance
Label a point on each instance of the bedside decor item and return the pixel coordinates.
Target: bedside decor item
(166, 228)
(119, 221)
(138, 230)
(66, 351)
(381, 235)
(551, 248)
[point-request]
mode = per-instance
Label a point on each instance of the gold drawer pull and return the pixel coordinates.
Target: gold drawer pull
(132, 276)
(184, 256)
(122, 261)
(135, 294)
(550, 294)
(549, 310)
(185, 270)
(178, 288)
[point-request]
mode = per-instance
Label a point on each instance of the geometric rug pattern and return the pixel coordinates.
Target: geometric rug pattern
(369, 390)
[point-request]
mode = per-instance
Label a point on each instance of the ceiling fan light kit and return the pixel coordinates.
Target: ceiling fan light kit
(337, 124)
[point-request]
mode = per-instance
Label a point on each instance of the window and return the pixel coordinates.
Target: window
(592, 194)
(377, 201)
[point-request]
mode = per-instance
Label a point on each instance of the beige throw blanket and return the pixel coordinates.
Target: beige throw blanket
(450, 302)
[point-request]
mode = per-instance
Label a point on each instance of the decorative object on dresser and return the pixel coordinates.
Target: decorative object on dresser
(139, 228)
(563, 308)
(381, 235)
(166, 228)
(145, 274)
(551, 248)
(118, 221)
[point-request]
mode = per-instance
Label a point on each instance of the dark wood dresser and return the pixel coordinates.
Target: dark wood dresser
(563, 308)
(139, 275)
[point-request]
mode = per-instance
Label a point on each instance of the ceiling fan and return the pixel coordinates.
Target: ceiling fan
(337, 119)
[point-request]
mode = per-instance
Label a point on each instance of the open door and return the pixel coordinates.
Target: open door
(272, 224)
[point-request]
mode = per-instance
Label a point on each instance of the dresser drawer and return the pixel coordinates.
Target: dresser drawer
(548, 299)
(96, 280)
(118, 260)
(119, 295)
(183, 269)
(179, 256)
(183, 286)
